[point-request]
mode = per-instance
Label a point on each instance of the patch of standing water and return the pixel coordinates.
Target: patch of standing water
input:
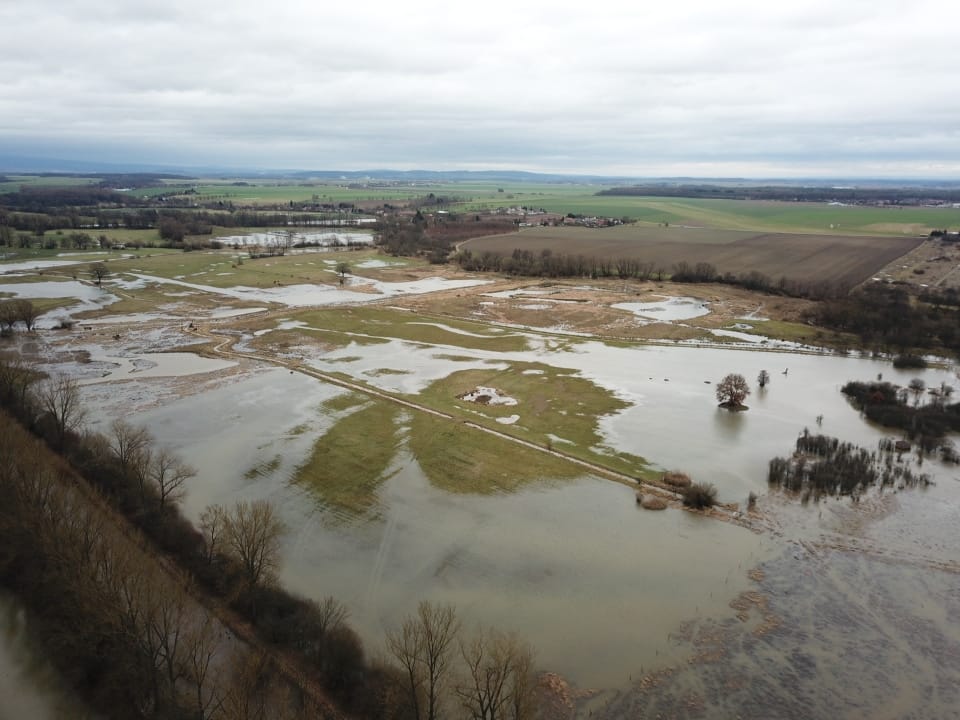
(29, 265)
(544, 558)
(281, 238)
(667, 310)
(310, 295)
(419, 366)
(151, 365)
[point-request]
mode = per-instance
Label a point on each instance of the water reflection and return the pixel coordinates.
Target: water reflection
(729, 424)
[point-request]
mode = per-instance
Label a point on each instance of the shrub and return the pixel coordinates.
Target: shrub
(650, 502)
(909, 361)
(700, 496)
(676, 479)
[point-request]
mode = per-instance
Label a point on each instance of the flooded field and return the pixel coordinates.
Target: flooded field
(369, 440)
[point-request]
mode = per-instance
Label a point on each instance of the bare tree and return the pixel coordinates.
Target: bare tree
(440, 628)
(128, 442)
(423, 647)
(213, 523)
(253, 533)
(331, 613)
(763, 378)
(26, 313)
(99, 271)
(60, 399)
(8, 315)
(406, 647)
(498, 681)
(202, 647)
(343, 269)
(169, 475)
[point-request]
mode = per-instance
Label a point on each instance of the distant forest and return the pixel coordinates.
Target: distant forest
(850, 195)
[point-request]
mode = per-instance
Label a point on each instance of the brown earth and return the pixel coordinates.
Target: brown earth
(576, 307)
(805, 258)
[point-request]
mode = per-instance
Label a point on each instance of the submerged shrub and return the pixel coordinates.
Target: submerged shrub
(700, 495)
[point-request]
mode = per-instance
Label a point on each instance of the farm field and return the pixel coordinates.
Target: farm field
(846, 259)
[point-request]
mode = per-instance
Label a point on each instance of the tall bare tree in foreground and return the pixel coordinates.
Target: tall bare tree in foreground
(169, 475)
(423, 648)
(60, 398)
(252, 535)
(498, 682)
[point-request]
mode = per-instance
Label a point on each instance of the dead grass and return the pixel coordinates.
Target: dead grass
(676, 479)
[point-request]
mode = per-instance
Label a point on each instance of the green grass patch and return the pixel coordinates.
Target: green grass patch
(298, 430)
(800, 333)
(350, 461)
(459, 459)
(381, 322)
(343, 401)
(551, 402)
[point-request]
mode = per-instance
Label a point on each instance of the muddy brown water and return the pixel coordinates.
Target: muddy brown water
(608, 593)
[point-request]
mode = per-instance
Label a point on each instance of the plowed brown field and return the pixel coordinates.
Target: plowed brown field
(832, 258)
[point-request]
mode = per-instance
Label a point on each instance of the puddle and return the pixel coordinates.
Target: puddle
(667, 310)
(152, 365)
(313, 239)
(309, 295)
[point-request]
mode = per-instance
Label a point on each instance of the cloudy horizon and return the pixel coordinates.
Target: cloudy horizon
(743, 88)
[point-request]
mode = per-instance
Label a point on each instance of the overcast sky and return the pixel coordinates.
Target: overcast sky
(708, 88)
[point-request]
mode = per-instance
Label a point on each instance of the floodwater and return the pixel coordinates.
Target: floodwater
(604, 591)
(671, 388)
(150, 365)
(319, 239)
(599, 587)
(314, 295)
(668, 309)
(30, 688)
(572, 565)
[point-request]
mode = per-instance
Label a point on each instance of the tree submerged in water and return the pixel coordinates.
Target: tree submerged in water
(823, 465)
(732, 391)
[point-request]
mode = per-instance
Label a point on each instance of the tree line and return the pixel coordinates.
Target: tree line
(787, 193)
(546, 263)
(886, 318)
(18, 310)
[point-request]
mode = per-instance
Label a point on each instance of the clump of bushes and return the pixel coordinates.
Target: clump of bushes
(825, 466)
(907, 361)
(700, 496)
(676, 479)
(651, 502)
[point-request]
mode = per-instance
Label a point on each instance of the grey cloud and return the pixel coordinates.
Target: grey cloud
(532, 85)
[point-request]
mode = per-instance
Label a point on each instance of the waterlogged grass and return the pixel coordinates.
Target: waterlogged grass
(298, 430)
(379, 322)
(344, 401)
(459, 459)
(264, 468)
(351, 460)
(551, 403)
(228, 268)
(800, 333)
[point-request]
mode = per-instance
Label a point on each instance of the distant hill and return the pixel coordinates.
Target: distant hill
(28, 164)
